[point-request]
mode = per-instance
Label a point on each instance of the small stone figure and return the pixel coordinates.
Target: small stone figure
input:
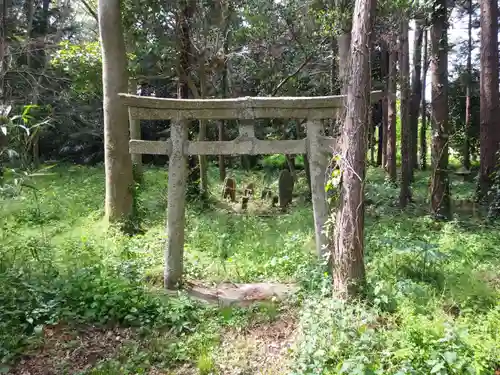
(229, 189)
(285, 189)
(266, 194)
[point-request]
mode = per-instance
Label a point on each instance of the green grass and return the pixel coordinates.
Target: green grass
(432, 297)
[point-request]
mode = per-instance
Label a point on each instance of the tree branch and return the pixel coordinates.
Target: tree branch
(287, 78)
(92, 12)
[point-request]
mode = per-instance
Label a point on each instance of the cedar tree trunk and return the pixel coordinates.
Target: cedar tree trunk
(118, 164)
(416, 91)
(391, 116)
(490, 121)
(404, 63)
(440, 185)
(348, 265)
(423, 126)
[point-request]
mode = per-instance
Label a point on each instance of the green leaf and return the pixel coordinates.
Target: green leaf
(450, 357)
(39, 329)
(437, 368)
(402, 353)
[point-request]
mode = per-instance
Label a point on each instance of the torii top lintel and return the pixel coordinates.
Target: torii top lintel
(244, 108)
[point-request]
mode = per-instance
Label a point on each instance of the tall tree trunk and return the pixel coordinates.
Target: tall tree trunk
(380, 143)
(118, 164)
(385, 104)
(334, 124)
(202, 135)
(344, 43)
(440, 185)
(344, 46)
(466, 156)
(37, 61)
(30, 12)
(392, 116)
(186, 11)
(490, 121)
(416, 91)
(404, 63)
(225, 85)
(3, 52)
(347, 240)
(334, 68)
(3, 71)
(423, 126)
(371, 139)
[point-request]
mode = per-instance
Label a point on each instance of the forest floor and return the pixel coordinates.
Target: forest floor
(79, 298)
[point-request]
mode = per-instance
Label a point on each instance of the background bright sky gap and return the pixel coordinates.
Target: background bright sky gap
(457, 32)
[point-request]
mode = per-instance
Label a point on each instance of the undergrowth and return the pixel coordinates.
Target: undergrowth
(431, 305)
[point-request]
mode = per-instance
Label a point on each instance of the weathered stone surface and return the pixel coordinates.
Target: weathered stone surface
(246, 146)
(152, 108)
(229, 189)
(244, 109)
(275, 200)
(285, 187)
(250, 190)
(135, 133)
(231, 114)
(317, 168)
(150, 147)
(244, 202)
(239, 146)
(241, 294)
(266, 194)
(464, 173)
(177, 183)
(242, 145)
(242, 103)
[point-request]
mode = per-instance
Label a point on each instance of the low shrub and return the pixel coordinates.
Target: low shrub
(353, 338)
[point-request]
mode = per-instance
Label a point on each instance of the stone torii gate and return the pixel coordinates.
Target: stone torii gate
(246, 110)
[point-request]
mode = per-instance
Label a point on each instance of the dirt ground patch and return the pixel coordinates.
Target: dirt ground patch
(69, 350)
(262, 348)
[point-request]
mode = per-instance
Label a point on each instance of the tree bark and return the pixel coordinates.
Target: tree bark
(385, 105)
(344, 44)
(489, 115)
(225, 86)
(348, 265)
(334, 68)
(4, 141)
(391, 116)
(466, 155)
(118, 164)
(380, 144)
(404, 63)
(423, 126)
(416, 91)
(37, 60)
(202, 135)
(90, 9)
(3, 52)
(334, 124)
(440, 186)
(185, 15)
(371, 138)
